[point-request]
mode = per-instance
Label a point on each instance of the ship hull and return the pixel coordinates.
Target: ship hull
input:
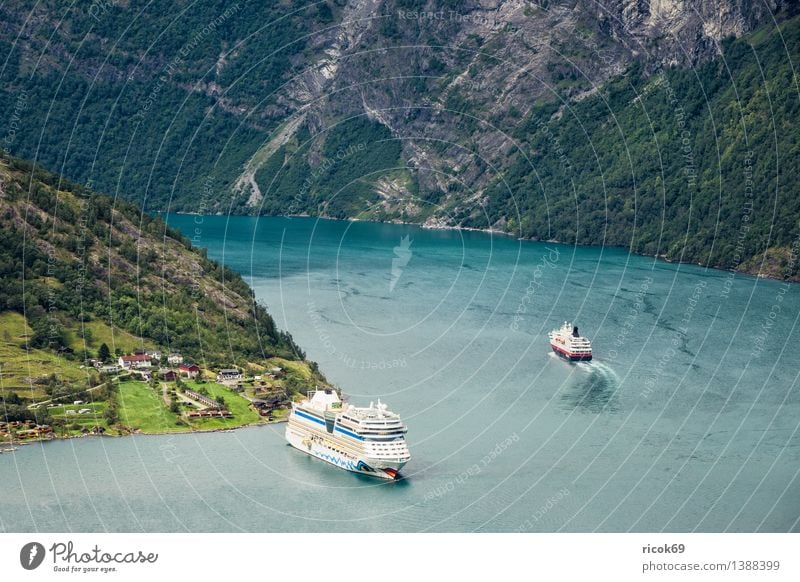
(318, 445)
(572, 357)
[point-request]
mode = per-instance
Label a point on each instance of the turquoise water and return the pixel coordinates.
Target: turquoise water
(686, 420)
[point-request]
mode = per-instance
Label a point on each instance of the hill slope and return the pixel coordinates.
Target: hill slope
(439, 112)
(78, 269)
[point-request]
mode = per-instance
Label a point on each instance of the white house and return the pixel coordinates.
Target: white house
(135, 362)
(175, 359)
(229, 375)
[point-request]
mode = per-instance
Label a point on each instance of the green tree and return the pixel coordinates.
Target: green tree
(111, 414)
(103, 353)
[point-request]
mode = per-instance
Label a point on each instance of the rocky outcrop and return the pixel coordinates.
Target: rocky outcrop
(454, 80)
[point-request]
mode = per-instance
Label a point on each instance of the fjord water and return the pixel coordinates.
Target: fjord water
(687, 419)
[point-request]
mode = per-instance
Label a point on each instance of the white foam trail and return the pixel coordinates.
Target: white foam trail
(601, 369)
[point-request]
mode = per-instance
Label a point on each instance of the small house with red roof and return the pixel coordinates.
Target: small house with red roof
(189, 370)
(135, 362)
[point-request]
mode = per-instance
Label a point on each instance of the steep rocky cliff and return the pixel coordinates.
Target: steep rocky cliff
(441, 112)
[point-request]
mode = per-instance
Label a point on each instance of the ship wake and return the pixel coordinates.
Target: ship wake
(594, 389)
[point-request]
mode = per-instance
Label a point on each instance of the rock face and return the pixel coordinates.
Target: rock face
(208, 99)
(688, 31)
(454, 79)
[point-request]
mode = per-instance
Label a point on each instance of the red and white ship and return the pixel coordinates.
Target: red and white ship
(567, 343)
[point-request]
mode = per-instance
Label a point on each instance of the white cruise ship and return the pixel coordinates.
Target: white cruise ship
(370, 441)
(569, 344)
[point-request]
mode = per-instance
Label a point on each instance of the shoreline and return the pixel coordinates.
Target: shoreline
(10, 447)
(440, 227)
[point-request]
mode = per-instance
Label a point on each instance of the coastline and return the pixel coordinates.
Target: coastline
(9, 447)
(756, 274)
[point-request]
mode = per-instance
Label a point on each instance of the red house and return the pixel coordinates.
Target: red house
(167, 375)
(189, 370)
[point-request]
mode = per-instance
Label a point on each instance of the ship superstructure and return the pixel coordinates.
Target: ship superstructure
(569, 344)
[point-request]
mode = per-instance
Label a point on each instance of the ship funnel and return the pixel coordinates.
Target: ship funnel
(575, 331)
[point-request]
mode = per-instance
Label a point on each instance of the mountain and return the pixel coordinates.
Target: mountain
(79, 269)
(548, 120)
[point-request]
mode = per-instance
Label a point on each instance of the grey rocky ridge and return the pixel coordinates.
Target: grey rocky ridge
(551, 120)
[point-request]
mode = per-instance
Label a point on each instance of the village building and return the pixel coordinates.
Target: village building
(135, 362)
(110, 369)
(229, 375)
(209, 414)
(167, 374)
(203, 399)
(174, 359)
(189, 370)
(39, 431)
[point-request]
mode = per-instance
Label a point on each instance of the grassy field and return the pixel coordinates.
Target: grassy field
(237, 404)
(299, 369)
(142, 408)
(99, 333)
(88, 420)
(17, 364)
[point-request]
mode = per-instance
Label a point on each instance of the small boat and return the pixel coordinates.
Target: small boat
(569, 344)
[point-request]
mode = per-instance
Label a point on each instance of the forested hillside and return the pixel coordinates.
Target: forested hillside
(700, 164)
(78, 269)
(667, 127)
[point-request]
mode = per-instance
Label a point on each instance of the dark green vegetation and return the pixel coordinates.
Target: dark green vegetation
(83, 276)
(353, 155)
(692, 164)
(143, 94)
(699, 165)
(387, 112)
(69, 255)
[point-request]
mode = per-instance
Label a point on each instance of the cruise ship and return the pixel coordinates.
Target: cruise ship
(568, 343)
(370, 441)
